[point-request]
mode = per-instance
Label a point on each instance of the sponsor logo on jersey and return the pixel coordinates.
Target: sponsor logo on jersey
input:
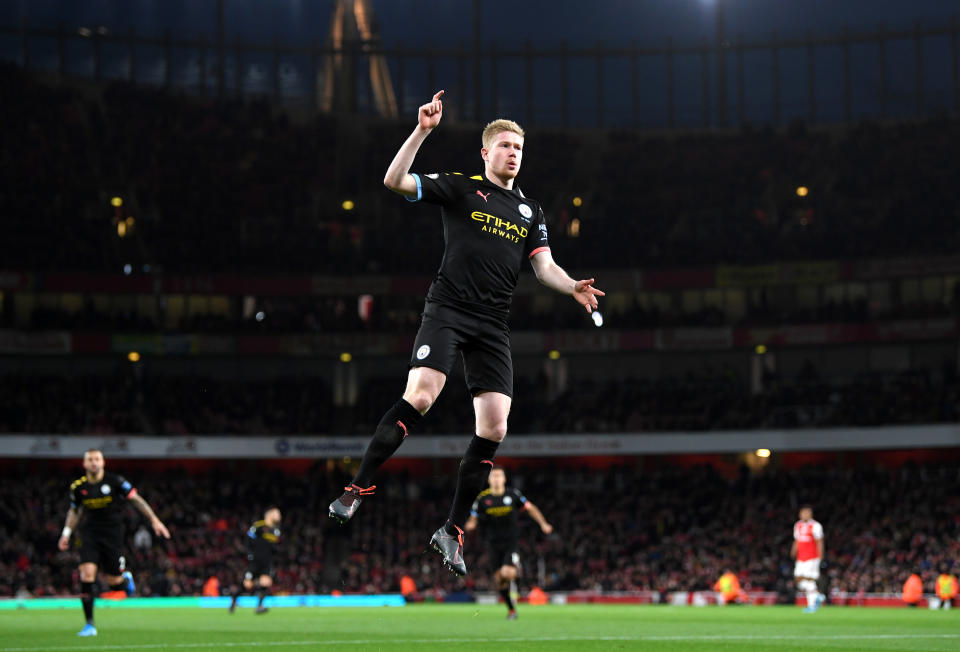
(423, 352)
(499, 226)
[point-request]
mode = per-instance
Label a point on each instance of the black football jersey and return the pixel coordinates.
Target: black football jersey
(102, 501)
(261, 538)
(498, 514)
(488, 231)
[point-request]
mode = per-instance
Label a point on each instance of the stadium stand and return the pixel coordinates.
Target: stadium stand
(667, 528)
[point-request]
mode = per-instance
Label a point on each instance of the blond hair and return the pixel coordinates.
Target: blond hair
(498, 127)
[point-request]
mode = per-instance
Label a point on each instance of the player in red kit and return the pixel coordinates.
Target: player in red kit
(807, 549)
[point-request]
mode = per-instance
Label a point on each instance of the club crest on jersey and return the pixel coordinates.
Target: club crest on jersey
(423, 352)
(508, 500)
(525, 211)
(105, 489)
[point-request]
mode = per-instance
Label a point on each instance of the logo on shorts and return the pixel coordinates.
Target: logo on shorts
(526, 211)
(423, 352)
(105, 489)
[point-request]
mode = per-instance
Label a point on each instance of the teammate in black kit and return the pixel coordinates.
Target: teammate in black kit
(497, 508)
(98, 496)
(489, 228)
(261, 539)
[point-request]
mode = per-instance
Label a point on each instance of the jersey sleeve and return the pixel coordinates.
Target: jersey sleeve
(796, 531)
(435, 188)
(520, 498)
(123, 485)
(817, 531)
(474, 508)
(537, 237)
(74, 500)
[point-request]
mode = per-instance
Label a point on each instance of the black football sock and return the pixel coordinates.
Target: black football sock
(506, 598)
(86, 597)
(393, 428)
(263, 592)
(471, 478)
(234, 596)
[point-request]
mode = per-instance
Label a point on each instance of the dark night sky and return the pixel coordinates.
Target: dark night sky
(450, 21)
(418, 25)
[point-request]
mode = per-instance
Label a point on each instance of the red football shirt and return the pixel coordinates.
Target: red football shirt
(806, 534)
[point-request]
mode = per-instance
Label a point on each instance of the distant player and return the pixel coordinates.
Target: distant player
(807, 549)
(261, 539)
(490, 228)
(98, 497)
(497, 508)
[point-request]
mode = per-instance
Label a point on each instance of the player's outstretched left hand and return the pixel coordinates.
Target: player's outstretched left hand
(547, 528)
(586, 295)
(161, 529)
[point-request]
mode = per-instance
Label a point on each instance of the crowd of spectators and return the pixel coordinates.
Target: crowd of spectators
(710, 401)
(621, 528)
(401, 313)
(218, 186)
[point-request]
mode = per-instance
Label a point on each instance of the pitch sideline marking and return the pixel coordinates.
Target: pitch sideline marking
(511, 639)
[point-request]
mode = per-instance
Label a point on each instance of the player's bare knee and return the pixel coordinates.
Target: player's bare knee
(495, 431)
(420, 399)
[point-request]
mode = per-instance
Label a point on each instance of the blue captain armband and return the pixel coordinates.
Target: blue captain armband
(419, 196)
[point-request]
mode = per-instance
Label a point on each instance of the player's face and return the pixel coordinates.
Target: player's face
(806, 514)
(504, 155)
(93, 462)
(273, 516)
(497, 480)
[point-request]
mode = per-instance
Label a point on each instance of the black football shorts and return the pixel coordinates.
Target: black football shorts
(483, 343)
(103, 549)
(504, 554)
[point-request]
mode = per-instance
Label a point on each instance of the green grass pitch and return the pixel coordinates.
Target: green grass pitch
(473, 627)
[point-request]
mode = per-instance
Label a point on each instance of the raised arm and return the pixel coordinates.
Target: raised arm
(398, 177)
(537, 515)
(73, 517)
(552, 275)
(145, 509)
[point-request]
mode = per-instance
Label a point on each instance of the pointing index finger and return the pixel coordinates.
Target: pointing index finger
(438, 95)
